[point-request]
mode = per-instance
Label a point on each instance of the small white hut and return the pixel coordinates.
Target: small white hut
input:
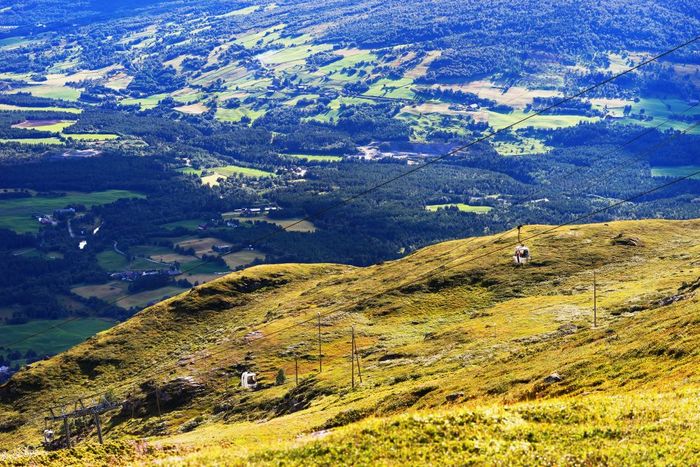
(248, 380)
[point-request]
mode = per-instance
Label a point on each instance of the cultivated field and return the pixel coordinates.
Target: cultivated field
(211, 176)
(294, 224)
(201, 246)
(243, 258)
(461, 206)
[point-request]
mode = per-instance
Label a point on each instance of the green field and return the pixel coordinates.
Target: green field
(461, 206)
(392, 88)
(335, 104)
(190, 224)
(291, 54)
(235, 115)
(314, 157)
(350, 60)
(91, 136)
(242, 258)
(117, 292)
(424, 124)
(294, 224)
(56, 340)
(40, 109)
(112, 261)
(521, 147)
(293, 101)
(241, 11)
(547, 122)
(210, 176)
(676, 172)
(51, 141)
(53, 126)
(10, 42)
(663, 108)
(266, 37)
(16, 214)
(53, 91)
(146, 103)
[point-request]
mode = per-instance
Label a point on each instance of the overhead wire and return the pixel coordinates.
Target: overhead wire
(429, 162)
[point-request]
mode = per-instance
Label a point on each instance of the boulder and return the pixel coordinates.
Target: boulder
(553, 378)
(627, 241)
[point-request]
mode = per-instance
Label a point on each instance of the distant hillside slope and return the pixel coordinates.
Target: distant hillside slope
(513, 347)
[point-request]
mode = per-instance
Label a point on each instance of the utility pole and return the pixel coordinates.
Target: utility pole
(357, 356)
(352, 357)
(595, 301)
(158, 399)
(320, 358)
(98, 425)
(66, 429)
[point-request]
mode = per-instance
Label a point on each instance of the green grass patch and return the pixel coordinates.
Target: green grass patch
(145, 103)
(498, 120)
(676, 172)
(45, 125)
(392, 88)
(11, 42)
(291, 54)
(460, 206)
(350, 60)
(235, 115)
(91, 136)
(293, 101)
(39, 109)
(293, 224)
(260, 38)
(210, 176)
(521, 147)
(198, 267)
(53, 91)
(243, 258)
(33, 141)
(190, 224)
(112, 261)
(241, 11)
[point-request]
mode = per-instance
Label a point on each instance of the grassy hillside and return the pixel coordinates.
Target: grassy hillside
(461, 364)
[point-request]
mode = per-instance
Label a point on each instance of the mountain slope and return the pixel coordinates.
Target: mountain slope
(481, 334)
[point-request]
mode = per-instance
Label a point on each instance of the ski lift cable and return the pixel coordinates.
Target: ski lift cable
(430, 162)
(443, 268)
(493, 251)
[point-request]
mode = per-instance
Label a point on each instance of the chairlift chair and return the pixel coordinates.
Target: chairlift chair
(521, 255)
(249, 380)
